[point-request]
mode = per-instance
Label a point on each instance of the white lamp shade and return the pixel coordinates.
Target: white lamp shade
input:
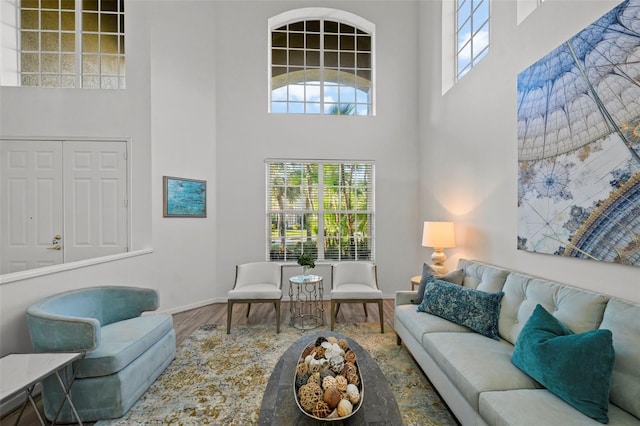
(438, 234)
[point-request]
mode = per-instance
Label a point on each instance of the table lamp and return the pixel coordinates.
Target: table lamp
(438, 235)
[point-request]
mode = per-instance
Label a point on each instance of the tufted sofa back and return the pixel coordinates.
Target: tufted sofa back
(481, 276)
(579, 310)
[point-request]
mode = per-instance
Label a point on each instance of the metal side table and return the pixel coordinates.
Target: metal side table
(305, 295)
(21, 372)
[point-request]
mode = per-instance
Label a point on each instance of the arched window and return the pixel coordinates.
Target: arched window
(321, 61)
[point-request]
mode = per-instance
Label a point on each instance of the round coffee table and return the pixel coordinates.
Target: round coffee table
(279, 407)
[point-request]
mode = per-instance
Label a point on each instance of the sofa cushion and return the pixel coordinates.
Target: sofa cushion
(475, 364)
(535, 407)
(475, 309)
(576, 367)
(123, 342)
(481, 276)
(622, 318)
(455, 277)
(419, 323)
(579, 310)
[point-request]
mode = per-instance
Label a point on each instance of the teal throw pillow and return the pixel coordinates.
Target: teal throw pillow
(456, 277)
(575, 367)
(478, 310)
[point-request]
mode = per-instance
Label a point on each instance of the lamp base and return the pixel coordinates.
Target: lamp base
(438, 257)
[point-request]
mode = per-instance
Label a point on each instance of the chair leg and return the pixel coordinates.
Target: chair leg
(248, 309)
(229, 309)
(334, 313)
(337, 309)
(381, 316)
(364, 305)
(277, 306)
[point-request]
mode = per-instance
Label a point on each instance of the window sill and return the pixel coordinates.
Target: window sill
(34, 273)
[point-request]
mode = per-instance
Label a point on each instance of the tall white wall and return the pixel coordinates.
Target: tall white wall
(468, 142)
(168, 112)
(196, 107)
(247, 135)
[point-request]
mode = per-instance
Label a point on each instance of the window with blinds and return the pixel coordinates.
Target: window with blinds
(320, 208)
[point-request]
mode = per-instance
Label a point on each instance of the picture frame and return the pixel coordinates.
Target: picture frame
(184, 197)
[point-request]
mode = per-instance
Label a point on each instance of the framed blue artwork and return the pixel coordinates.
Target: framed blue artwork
(184, 197)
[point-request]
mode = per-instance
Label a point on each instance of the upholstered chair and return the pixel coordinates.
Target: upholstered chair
(256, 282)
(355, 282)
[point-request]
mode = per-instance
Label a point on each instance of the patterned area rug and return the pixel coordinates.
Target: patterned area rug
(219, 379)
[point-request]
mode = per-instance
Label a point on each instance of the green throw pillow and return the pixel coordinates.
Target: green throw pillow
(575, 367)
(456, 277)
(478, 310)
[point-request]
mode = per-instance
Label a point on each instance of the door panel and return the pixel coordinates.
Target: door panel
(31, 204)
(95, 199)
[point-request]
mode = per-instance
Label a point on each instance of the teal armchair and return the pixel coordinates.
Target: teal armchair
(125, 351)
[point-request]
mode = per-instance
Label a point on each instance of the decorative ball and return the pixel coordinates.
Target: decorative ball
(321, 409)
(336, 364)
(315, 378)
(314, 367)
(350, 356)
(341, 383)
(329, 382)
(301, 380)
(349, 368)
(325, 373)
(306, 352)
(353, 394)
(344, 408)
(319, 341)
(309, 395)
(344, 345)
(332, 339)
(353, 379)
(307, 359)
(332, 397)
(301, 369)
(320, 351)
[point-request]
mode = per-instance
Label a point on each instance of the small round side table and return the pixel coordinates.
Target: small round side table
(305, 295)
(415, 281)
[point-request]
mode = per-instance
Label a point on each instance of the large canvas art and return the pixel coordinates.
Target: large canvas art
(579, 144)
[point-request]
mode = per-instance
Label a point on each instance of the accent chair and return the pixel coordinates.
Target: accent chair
(355, 282)
(256, 282)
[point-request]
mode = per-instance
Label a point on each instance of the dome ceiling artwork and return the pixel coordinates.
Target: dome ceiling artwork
(579, 144)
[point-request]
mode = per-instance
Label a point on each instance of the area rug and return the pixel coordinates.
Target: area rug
(219, 379)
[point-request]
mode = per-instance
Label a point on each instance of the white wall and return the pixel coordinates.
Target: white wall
(468, 143)
(247, 135)
(168, 112)
(195, 106)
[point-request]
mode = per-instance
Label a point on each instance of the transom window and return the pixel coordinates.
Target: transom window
(321, 65)
(472, 34)
(321, 208)
(71, 43)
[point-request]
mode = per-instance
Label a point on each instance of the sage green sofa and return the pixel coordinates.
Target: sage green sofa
(474, 374)
(125, 351)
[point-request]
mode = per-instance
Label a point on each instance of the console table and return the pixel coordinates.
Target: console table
(305, 295)
(21, 372)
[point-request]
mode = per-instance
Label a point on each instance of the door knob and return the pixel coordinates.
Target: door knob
(54, 248)
(57, 237)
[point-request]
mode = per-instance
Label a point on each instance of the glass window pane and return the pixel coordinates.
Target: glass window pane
(29, 20)
(50, 42)
(68, 21)
(29, 41)
(50, 63)
(90, 22)
(109, 23)
(109, 44)
(50, 20)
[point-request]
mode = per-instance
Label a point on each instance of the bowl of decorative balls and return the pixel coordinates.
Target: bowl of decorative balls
(328, 385)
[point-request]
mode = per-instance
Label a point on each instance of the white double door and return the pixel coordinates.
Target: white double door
(61, 201)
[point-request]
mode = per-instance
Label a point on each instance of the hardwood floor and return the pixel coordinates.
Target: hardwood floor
(185, 323)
